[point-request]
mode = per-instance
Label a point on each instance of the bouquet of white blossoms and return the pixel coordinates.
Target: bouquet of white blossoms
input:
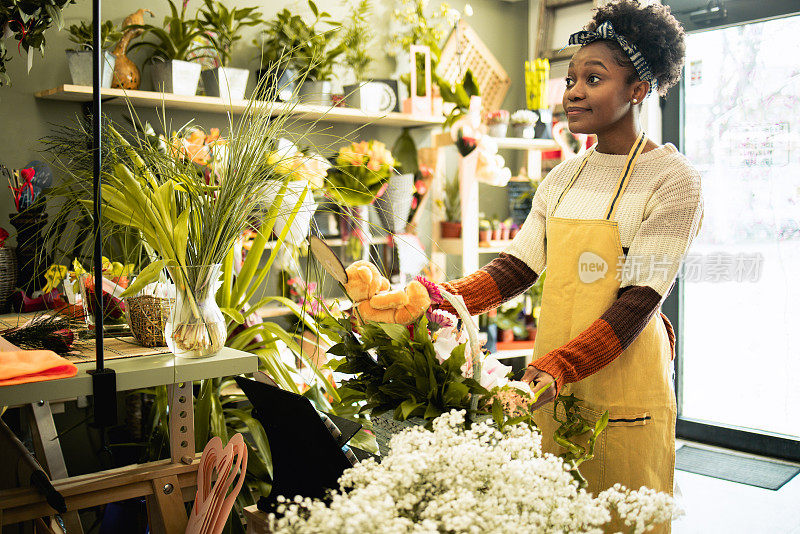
(468, 480)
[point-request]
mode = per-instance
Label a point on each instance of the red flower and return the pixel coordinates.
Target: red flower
(3, 236)
(433, 290)
(27, 174)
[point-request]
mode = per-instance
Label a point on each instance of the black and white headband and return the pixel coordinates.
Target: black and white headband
(605, 31)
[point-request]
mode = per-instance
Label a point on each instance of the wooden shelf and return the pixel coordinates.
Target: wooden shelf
(338, 242)
(456, 246)
(519, 143)
(513, 353)
(80, 93)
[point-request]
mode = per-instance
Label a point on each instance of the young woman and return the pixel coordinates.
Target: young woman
(611, 228)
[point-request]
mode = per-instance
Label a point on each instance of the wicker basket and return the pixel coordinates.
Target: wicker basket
(147, 316)
(8, 275)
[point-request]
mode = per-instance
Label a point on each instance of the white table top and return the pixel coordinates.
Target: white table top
(133, 373)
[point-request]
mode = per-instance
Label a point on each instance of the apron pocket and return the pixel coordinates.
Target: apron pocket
(636, 419)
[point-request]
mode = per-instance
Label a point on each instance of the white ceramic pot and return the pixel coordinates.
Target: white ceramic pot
(228, 83)
(176, 77)
(526, 131)
(371, 97)
(80, 67)
(316, 93)
(498, 130)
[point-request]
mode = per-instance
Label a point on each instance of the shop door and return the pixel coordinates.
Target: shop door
(736, 116)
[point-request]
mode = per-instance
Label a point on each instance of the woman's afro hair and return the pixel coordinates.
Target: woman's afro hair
(654, 31)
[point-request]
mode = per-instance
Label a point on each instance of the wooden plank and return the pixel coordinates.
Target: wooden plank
(24, 504)
(79, 93)
(555, 4)
(519, 143)
(562, 54)
(169, 503)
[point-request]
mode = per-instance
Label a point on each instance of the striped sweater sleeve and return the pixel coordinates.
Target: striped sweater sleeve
(672, 220)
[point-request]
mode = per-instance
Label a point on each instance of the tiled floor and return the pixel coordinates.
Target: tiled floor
(718, 506)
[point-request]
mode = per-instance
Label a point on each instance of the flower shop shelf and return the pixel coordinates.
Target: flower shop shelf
(456, 246)
(520, 143)
(338, 242)
(81, 93)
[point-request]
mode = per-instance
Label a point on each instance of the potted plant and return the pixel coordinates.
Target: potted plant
(222, 27)
(360, 175)
(357, 36)
(174, 53)
(80, 60)
(513, 231)
(484, 232)
(451, 225)
(315, 58)
(26, 23)
(505, 229)
(524, 123)
(497, 123)
(497, 232)
(510, 321)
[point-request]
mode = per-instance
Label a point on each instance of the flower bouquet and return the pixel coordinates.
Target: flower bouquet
(462, 478)
(361, 173)
(497, 123)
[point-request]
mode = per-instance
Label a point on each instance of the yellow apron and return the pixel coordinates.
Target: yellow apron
(638, 446)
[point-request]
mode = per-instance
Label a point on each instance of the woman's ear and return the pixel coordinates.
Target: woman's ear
(640, 91)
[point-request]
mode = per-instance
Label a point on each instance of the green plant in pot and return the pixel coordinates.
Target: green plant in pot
(451, 203)
(79, 59)
(26, 21)
(358, 34)
(510, 322)
(223, 27)
(178, 44)
(484, 231)
(316, 58)
(294, 53)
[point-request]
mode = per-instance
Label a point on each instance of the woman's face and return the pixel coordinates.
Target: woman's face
(597, 94)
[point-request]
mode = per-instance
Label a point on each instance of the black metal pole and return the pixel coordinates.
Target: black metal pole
(97, 66)
(104, 380)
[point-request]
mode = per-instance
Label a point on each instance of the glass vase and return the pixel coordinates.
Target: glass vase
(196, 327)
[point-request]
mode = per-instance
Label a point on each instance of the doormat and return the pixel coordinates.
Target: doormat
(751, 471)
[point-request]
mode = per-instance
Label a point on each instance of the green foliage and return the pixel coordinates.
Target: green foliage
(458, 94)
(83, 35)
(573, 426)
(512, 319)
(452, 200)
(178, 38)
(289, 42)
(357, 36)
(223, 25)
(404, 375)
(27, 20)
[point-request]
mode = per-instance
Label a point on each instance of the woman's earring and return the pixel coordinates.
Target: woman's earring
(635, 101)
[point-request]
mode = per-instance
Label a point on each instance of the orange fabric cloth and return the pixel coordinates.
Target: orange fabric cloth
(22, 366)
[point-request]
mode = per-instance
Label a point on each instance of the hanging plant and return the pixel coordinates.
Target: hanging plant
(26, 22)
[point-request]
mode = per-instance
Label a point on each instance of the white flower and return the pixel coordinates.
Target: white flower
(493, 373)
(445, 340)
(457, 480)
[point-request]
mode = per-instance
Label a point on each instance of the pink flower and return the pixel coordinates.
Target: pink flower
(433, 290)
(442, 318)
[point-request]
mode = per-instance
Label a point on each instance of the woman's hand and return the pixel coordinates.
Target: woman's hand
(542, 384)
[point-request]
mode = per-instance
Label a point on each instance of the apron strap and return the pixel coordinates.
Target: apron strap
(624, 178)
(627, 171)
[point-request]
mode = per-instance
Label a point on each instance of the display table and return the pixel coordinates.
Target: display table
(256, 520)
(165, 484)
(133, 373)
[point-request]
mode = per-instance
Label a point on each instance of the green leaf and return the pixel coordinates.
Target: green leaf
(234, 314)
(148, 275)
(314, 9)
(202, 415)
(431, 412)
(470, 84)
(397, 332)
